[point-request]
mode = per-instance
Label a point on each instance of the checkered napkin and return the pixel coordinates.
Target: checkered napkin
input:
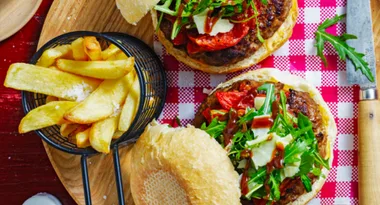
(298, 55)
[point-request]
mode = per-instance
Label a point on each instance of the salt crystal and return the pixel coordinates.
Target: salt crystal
(57, 107)
(68, 18)
(79, 92)
(116, 109)
(104, 197)
(64, 31)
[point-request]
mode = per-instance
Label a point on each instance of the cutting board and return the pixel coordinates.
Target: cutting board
(102, 15)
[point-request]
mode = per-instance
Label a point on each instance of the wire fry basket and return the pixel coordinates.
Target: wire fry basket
(152, 81)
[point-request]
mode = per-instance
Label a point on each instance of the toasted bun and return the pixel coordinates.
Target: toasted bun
(134, 10)
(181, 166)
(299, 84)
(268, 47)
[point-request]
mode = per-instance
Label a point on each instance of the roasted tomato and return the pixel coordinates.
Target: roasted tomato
(221, 40)
(234, 99)
(206, 113)
(180, 39)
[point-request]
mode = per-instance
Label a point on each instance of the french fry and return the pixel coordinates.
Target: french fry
(92, 48)
(53, 67)
(130, 106)
(102, 102)
(45, 116)
(82, 138)
(50, 98)
(56, 83)
(97, 69)
(110, 51)
(101, 134)
(78, 50)
(117, 134)
(67, 128)
(121, 56)
(112, 58)
(49, 56)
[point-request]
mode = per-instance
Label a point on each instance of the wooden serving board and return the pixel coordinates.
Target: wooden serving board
(102, 16)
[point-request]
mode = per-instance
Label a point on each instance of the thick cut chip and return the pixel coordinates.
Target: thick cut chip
(82, 138)
(46, 115)
(67, 128)
(130, 106)
(51, 99)
(103, 102)
(92, 48)
(101, 134)
(110, 51)
(47, 81)
(97, 69)
(117, 134)
(121, 56)
(49, 56)
(78, 50)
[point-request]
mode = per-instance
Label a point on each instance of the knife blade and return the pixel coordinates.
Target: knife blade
(359, 23)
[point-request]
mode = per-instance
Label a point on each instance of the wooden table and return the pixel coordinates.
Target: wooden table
(24, 166)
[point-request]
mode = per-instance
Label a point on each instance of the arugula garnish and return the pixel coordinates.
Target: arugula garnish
(343, 49)
(266, 109)
(294, 149)
(306, 182)
(274, 183)
(307, 162)
(256, 181)
(215, 128)
(238, 143)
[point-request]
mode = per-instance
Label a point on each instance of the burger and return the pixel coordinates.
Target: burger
(278, 133)
(217, 36)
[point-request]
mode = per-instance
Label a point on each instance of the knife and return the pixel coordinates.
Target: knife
(359, 23)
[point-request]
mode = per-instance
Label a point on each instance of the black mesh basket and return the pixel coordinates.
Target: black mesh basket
(152, 81)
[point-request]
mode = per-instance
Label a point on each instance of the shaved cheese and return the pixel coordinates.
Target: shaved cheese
(291, 169)
(259, 102)
(262, 154)
(221, 26)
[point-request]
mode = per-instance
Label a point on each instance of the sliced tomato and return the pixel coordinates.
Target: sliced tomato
(234, 99)
(221, 40)
(206, 113)
(192, 48)
(230, 99)
(180, 39)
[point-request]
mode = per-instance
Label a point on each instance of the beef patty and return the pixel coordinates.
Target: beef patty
(270, 19)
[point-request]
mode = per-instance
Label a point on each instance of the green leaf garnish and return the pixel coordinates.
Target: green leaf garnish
(274, 184)
(293, 149)
(266, 109)
(343, 49)
(306, 182)
(215, 128)
(307, 162)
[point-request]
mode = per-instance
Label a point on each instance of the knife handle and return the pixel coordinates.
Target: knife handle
(369, 152)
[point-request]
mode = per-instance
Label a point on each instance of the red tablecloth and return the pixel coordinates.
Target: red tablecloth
(26, 170)
(24, 166)
(298, 56)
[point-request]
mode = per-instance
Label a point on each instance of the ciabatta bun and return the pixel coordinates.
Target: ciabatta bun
(181, 166)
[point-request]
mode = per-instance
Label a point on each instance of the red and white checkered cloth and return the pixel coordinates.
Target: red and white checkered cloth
(298, 55)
